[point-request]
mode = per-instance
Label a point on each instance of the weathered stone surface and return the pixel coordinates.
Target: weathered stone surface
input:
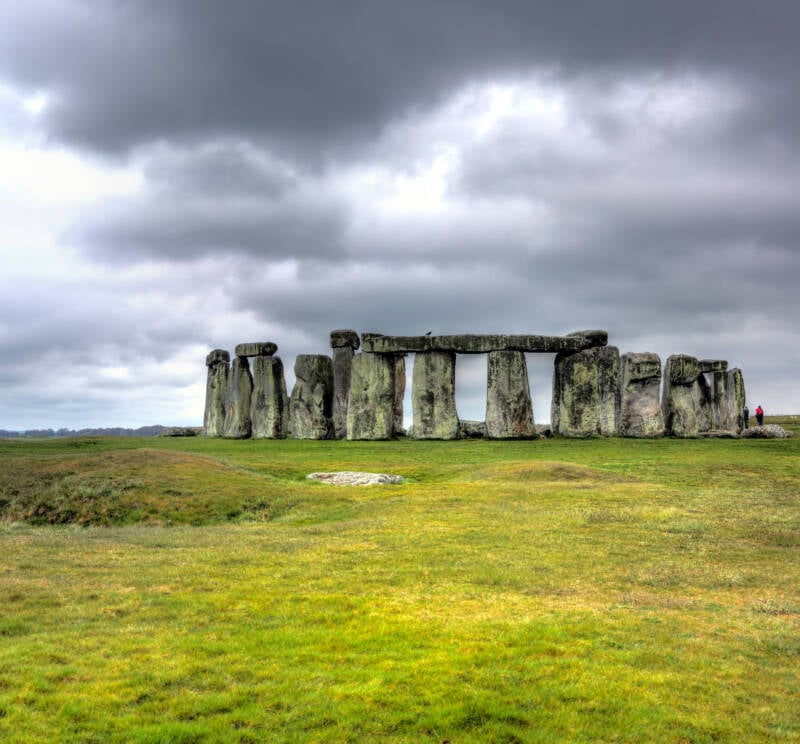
(218, 356)
(256, 348)
(681, 369)
(352, 478)
(723, 417)
(399, 392)
(269, 408)
(311, 402)
(237, 400)
(639, 388)
(590, 339)
(342, 363)
(480, 344)
(736, 398)
(767, 431)
(370, 413)
(703, 401)
(509, 411)
(434, 396)
(585, 390)
(712, 365)
(216, 391)
(681, 396)
(344, 338)
(471, 429)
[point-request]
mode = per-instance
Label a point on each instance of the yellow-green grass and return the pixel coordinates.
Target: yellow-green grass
(543, 591)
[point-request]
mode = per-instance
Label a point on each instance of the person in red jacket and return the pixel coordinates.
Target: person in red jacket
(759, 415)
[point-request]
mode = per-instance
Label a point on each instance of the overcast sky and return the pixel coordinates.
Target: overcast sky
(180, 176)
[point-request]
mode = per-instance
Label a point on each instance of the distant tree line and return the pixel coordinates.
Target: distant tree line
(115, 431)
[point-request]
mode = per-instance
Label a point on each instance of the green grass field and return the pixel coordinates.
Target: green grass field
(193, 590)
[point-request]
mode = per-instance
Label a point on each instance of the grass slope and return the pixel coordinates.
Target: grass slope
(546, 591)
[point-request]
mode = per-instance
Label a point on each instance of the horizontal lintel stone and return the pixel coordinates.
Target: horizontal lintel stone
(713, 365)
(256, 348)
(482, 343)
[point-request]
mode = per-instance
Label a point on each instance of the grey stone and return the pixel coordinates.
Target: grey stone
(509, 411)
(256, 348)
(352, 478)
(237, 400)
(590, 339)
(370, 413)
(767, 431)
(434, 395)
(311, 401)
(471, 429)
(342, 363)
(218, 356)
(703, 401)
(269, 407)
(712, 365)
(681, 396)
(585, 390)
(736, 398)
(480, 344)
(639, 388)
(216, 391)
(399, 392)
(346, 338)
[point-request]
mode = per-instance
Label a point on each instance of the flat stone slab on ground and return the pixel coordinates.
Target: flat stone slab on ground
(767, 431)
(351, 478)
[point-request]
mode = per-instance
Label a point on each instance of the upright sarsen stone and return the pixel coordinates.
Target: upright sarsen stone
(736, 397)
(343, 343)
(399, 391)
(311, 401)
(509, 411)
(269, 409)
(370, 412)
(585, 389)
(639, 388)
(218, 363)
(434, 395)
(237, 400)
(681, 397)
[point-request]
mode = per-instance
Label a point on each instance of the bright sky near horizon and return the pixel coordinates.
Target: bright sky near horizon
(176, 177)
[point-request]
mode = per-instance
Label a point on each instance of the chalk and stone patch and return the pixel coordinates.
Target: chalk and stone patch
(767, 431)
(352, 478)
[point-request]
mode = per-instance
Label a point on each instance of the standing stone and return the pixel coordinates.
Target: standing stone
(681, 398)
(237, 400)
(722, 415)
(509, 411)
(399, 392)
(434, 395)
(703, 401)
(585, 390)
(218, 363)
(736, 397)
(311, 402)
(639, 387)
(269, 409)
(344, 343)
(370, 413)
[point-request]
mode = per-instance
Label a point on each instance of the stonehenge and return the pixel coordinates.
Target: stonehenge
(358, 395)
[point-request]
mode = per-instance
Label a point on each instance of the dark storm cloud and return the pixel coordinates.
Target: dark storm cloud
(310, 75)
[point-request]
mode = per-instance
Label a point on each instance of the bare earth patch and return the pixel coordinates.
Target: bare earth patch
(351, 478)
